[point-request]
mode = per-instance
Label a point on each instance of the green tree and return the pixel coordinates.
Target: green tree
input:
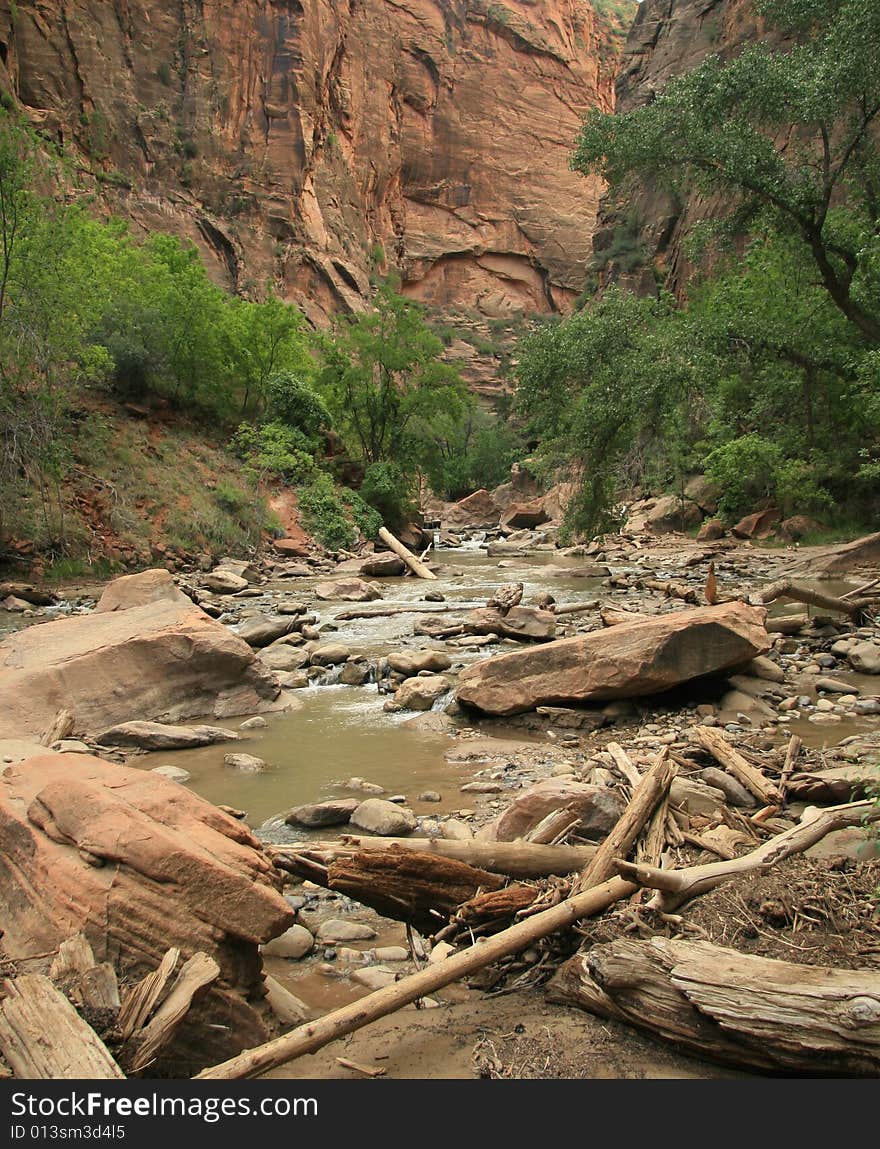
(787, 135)
(261, 340)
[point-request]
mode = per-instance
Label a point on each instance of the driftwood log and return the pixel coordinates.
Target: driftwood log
(675, 887)
(517, 859)
(746, 1011)
(798, 592)
(43, 1037)
(415, 564)
(315, 1035)
(733, 762)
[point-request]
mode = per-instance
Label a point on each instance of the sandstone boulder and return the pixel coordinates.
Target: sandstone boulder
(759, 525)
(414, 662)
(524, 622)
(295, 943)
(262, 629)
(162, 736)
(635, 658)
(670, 513)
(865, 658)
(525, 515)
(334, 812)
(246, 763)
(711, 531)
(224, 582)
(330, 654)
(164, 660)
(288, 547)
(702, 491)
(597, 807)
(140, 590)
(793, 529)
(283, 657)
(347, 590)
(139, 863)
(382, 566)
(387, 819)
(420, 693)
(474, 511)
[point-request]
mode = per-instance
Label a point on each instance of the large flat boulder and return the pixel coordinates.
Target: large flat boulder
(635, 658)
(139, 864)
(164, 660)
(140, 590)
(162, 736)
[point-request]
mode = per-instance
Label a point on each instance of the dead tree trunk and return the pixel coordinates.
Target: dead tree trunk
(43, 1037)
(750, 1012)
(797, 592)
(734, 763)
(415, 565)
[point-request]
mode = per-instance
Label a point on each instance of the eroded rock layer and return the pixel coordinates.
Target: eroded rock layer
(305, 143)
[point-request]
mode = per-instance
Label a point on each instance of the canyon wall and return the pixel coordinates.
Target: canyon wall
(307, 143)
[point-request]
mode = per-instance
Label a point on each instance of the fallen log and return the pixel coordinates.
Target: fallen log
(797, 592)
(517, 859)
(61, 727)
(415, 564)
(675, 887)
(614, 616)
(409, 885)
(671, 589)
(315, 1035)
(732, 761)
(791, 756)
(142, 997)
(84, 980)
(43, 1037)
(651, 790)
(746, 1011)
(407, 608)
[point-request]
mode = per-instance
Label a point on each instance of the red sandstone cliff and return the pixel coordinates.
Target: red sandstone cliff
(303, 142)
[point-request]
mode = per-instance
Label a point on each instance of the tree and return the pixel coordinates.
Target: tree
(787, 134)
(261, 340)
(382, 374)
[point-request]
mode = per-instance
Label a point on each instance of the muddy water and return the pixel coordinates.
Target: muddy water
(339, 732)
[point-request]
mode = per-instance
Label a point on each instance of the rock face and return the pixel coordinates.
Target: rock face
(140, 864)
(298, 142)
(625, 661)
(163, 660)
(667, 38)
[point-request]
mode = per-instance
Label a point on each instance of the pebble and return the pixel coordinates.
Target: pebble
(391, 953)
(255, 723)
(340, 930)
(430, 796)
(374, 977)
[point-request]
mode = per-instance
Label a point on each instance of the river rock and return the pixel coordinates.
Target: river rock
(711, 531)
(334, 812)
(329, 655)
(284, 657)
(374, 977)
(160, 736)
(412, 663)
(263, 629)
(224, 582)
(344, 930)
(356, 672)
(420, 693)
(519, 622)
(172, 773)
(137, 590)
(695, 797)
(629, 660)
(364, 786)
(759, 525)
(347, 590)
(258, 722)
(765, 668)
(295, 943)
(671, 513)
(456, 830)
(382, 566)
(835, 686)
(865, 658)
(474, 511)
(15, 605)
(597, 807)
(247, 763)
(164, 659)
(528, 515)
(139, 864)
(383, 818)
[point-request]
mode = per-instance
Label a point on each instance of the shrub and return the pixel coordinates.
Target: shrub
(323, 513)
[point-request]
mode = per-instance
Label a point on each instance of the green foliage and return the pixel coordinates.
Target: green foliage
(291, 400)
(276, 450)
(474, 451)
(324, 514)
(387, 490)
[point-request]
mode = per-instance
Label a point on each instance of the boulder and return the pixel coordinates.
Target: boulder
(711, 531)
(263, 629)
(140, 863)
(474, 511)
(136, 590)
(344, 930)
(759, 525)
(702, 491)
(161, 736)
(283, 657)
(414, 662)
(224, 582)
(295, 943)
(420, 693)
(525, 515)
(865, 658)
(164, 659)
(670, 513)
(356, 672)
(524, 622)
(334, 812)
(384, 818)
(330, 655)
(246, 763)
(382, 566)
(347, 590)
(240, 567)
(625, 661)
(796, 527)
(288, 547)
(173, 773)
(597, 807)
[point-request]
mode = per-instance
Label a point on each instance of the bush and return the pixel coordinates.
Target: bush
(385, 488)
(276, 449)
(746, 470)
(324, 513)
(293, 402)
